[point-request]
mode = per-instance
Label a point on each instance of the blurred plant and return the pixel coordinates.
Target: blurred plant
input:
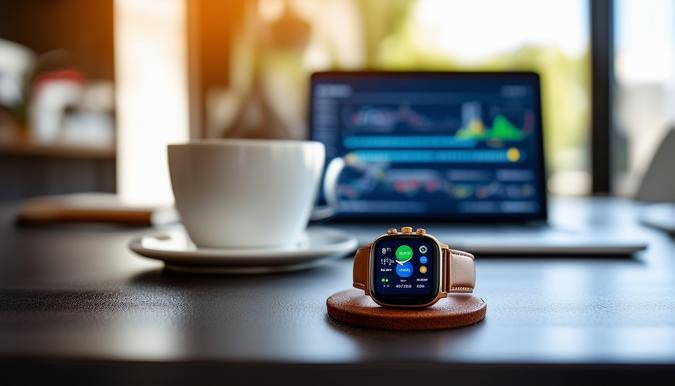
(268, 48)
(279, 44)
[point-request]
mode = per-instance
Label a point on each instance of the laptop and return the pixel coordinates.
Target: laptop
(461, 150)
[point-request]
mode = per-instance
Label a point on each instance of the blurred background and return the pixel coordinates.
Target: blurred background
(92, 90)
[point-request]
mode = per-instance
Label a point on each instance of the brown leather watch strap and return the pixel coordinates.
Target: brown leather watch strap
(361, 268)
(460, 272)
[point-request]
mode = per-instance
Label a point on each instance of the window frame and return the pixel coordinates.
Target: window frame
(602, 80)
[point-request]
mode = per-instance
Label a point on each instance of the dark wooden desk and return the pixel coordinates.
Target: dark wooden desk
(77, 306)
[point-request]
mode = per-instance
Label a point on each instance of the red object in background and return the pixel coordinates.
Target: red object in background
(46, 77)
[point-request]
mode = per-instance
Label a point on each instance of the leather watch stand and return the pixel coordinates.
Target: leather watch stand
(456, 310)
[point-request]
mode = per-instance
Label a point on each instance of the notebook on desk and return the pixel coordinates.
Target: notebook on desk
(445, 147)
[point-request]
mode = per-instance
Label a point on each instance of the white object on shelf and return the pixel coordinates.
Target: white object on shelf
(48, 108)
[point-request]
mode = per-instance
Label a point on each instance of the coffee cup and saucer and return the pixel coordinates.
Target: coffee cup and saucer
(245, 206)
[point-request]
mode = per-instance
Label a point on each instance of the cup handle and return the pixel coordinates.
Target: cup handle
(333, 171)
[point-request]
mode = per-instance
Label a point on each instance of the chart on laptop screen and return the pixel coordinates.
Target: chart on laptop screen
(432, 144)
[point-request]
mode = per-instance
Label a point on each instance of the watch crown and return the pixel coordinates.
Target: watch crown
(392, 231)
(421, 231)
(406, 230)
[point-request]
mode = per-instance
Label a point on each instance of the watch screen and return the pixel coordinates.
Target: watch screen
(405, 269)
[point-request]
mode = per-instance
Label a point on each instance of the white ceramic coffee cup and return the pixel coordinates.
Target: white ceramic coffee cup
(235, 193)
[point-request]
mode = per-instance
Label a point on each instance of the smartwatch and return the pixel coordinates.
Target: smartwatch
(411, 269)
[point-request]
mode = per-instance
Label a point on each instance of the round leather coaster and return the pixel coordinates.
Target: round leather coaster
(457, 310)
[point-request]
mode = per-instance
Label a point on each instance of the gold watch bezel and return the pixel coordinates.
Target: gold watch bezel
(439, 274)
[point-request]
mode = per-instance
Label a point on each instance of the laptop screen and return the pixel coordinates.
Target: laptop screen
(442, 145)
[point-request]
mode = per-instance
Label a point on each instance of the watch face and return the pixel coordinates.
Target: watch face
(405, 270)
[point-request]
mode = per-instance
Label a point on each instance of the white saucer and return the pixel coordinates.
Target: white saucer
(176, 250)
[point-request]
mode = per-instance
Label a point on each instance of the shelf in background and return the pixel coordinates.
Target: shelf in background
(29, 169)
(22, 145)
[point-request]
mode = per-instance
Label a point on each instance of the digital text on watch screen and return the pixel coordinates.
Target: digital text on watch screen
(405, 269)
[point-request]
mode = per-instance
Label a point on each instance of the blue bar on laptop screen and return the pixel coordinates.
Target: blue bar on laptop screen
(442, 145)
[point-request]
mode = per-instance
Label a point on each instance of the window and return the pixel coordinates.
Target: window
(644, 90)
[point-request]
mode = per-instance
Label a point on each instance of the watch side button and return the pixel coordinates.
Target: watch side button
(392, 231)
(406, 230)
(421, 231)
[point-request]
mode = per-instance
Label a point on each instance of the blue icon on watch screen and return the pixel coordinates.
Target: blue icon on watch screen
(405, 269)
(423, 259)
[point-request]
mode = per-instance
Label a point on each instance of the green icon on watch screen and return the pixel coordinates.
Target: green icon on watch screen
(403, 254)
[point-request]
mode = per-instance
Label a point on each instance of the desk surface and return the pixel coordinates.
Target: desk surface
(73, 296)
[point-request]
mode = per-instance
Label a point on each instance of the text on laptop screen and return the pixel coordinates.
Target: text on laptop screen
(444, 145)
